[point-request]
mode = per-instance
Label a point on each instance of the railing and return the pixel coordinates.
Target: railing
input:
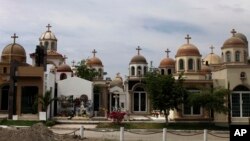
(164, 134)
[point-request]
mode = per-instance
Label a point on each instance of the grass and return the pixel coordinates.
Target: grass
(25, 122)
(18, 122)
(176, 126)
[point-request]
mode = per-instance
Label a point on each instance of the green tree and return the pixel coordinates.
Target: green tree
(45, 100)
(165, 92)
(83, 71)
(212, 100)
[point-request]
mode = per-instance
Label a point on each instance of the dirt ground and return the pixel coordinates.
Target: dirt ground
(37, 132)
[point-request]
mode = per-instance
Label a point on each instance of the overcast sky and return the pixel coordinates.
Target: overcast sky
(116, 27)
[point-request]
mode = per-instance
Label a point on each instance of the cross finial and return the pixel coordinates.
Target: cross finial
(48, 26)
(212, 49)
(64, 58)
(73, 63)
(233, 31)
(138, 49)
(94, 52)
(188, 38)
(14, 38)
(167, 51)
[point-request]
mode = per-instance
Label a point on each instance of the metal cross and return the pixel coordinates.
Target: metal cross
(167, 51)
(94, 52)
(188, 38)
(73, 63)
(14, 38)
(233, 31)
(48, 26)
(138, 49)
(212, 49)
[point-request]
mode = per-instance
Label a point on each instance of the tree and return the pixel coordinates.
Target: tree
(212, 100)
(46, 100)
(165, 92)
(83, 71)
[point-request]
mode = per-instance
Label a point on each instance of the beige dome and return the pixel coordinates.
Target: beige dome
(167, 62)
(242, 37)
(188, 50)
(13, 51)
(48, 35)
(94, 61)
(138, 59)
(233, 42)
(117, 81)
(64, 68)
(212, 59)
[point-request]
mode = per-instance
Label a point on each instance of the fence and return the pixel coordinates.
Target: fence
(156, 135)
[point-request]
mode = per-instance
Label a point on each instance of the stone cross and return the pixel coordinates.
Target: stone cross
(48, 26)
(212, 49)
(94, 52)
(73, 63)
(167, 51)
(14, 38)
(188, 38)
(233, 31)
(138, 49)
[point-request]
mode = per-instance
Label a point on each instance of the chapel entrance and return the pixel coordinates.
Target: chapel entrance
(29, 95)
(4, 98)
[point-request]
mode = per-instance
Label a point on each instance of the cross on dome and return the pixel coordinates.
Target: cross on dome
(48, 26)
(167, 51)
(14, 38)
(188, 38)
(94, 52)
(73, 63)
(138, 49)
(212, 49)
(64, 59)
(233, 32)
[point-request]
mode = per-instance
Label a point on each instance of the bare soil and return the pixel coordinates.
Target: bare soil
(37, 132)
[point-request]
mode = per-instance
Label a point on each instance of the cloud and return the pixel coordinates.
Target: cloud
(171, 26)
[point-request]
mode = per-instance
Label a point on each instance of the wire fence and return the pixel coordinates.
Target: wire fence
(148, 135)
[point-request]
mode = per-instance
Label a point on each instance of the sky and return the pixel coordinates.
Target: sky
(116, 27)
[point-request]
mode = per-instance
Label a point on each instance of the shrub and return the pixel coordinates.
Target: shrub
(117, 116)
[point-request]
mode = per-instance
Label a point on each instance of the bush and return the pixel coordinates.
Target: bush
(117, 116)
(50, 122)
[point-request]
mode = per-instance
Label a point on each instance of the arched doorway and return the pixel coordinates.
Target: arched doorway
(4, 97)
(139, 100)
(240, 101)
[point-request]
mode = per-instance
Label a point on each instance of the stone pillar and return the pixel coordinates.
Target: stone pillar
(18, 99)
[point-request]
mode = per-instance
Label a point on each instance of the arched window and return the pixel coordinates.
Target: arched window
(245, 56)
(139, 71)
(190, 64)
(139, 100)
(100, 72)
(132, 71)
(52, 45)
(46, 45)
(228, 56)
(198, 64)
(145, 70)
(181, 64)
(242, 75)
(63, 76)
(222, 56)
(4, 70)
(162, 71)
(169, 71)
(237, 56)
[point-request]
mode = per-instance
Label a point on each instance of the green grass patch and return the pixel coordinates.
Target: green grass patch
(18, 122)
(176, 126)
